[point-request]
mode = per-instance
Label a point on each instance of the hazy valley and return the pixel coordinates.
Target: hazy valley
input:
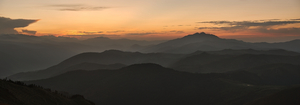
(195, 69)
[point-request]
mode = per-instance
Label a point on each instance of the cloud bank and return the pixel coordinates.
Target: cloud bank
(7, 25)
(264, 26)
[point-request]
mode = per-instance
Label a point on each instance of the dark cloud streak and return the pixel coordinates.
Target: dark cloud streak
(252, 23)
(141, 34)
(29, 32)
(77, 7)
(295, 19)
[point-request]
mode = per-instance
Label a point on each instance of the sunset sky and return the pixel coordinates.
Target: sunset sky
(248, 20)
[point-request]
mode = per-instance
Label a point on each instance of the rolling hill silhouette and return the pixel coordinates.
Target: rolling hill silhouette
(201, 62)
(61, 68)
(110, 59)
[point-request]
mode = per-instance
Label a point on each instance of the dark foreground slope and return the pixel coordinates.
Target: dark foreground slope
(16, 93)
(266, 75)
(285, 97)
(151, 84)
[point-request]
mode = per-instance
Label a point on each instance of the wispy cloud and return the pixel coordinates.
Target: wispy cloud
(178, 32)
(90, 32)
(77, 7)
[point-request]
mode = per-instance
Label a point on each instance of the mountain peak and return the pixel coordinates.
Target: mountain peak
(113, 51)
(202, 35)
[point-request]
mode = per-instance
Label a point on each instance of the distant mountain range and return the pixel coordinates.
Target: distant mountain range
(209, 42)
(17, 93)
(22, 53)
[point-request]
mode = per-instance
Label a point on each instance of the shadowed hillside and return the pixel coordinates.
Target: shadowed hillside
(289, 96)
(277, 74)
(252, 51)
(150, 84)
(213, 63)
(17, 93)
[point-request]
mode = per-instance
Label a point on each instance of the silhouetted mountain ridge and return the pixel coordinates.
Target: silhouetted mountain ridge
(197, 41)
(61, 68)
(93, 60)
